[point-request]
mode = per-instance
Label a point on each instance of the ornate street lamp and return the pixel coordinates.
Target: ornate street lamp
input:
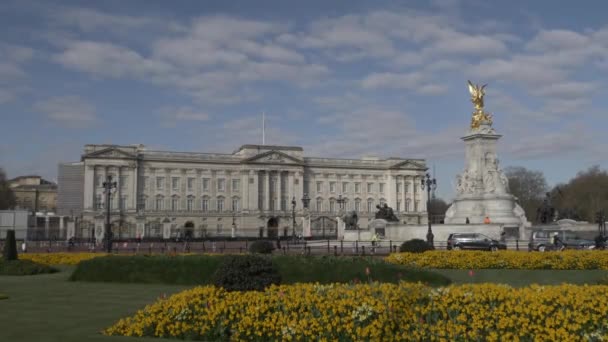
(430, 184)
(341, 202)
(293, 218)
(305, 200)
(233, 233)
(108, 188)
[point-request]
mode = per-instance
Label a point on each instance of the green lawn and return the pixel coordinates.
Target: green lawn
(520, 278)
(50, 308)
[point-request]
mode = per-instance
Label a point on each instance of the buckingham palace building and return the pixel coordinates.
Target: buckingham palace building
(256, 191)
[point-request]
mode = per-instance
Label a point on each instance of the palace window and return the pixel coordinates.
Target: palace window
(357, 205)
(416, 206)
(235, 204)
(175, 183)
(332, 205)
(98, 202)
(160, 182)
(190, 184)
(407, 205)
(236, 184)
(398, 187)
(159, 203)
(146, 182)
(174, 203)
(219, 228)
(190, 203)
(381, 190)
(319, 204)
(332, 186)
(221, 184)
(205, 204)
(205, 184)
(123, 202)
(122, 181)
(319, 186)
(344, 187)
(220, 204)
(357, 188)
(370, 205)
(370, 187)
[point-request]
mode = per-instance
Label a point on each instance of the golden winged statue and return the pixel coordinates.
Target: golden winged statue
(479, 115)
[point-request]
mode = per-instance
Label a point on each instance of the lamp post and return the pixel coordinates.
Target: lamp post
(293, 218)
(233, 232)
(430, 184)
(109, 188)
(341, 202)
(305, 204)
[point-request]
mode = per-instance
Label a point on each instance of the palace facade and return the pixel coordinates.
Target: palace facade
(255, 191)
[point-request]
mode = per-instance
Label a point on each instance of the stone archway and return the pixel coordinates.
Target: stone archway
(189, 230)
(272, 227)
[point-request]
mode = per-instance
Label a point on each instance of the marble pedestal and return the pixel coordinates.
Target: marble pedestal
(482, 189)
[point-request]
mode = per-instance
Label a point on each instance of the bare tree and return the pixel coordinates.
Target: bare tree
(584, 195)
(530, 188)
(7, 197)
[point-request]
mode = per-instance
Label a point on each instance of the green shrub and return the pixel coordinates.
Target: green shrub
(3, 296)
(262, 247)
(246, 273)
(415, 246)
(23, 267)
(184, 270)
(10, 246)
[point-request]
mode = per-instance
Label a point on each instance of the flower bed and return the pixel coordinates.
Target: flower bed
(567, 260)
(377, 312)
(59, 258)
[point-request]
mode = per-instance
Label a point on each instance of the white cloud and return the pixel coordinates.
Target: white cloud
(557, 39)
(107, 59)
(71, 111)
(89, 20)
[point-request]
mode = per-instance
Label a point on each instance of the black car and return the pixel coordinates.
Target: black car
(478, 241)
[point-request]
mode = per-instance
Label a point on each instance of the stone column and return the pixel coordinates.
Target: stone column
(267, 191)
(290, 189)
(61, 227)
(89, 187)
(279, 190)
(403, 192)
(254, 190)
(133, 181)
(391, 196)
(244, 190)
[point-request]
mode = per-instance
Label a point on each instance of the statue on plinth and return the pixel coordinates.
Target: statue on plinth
(386, 213)
(479, 115)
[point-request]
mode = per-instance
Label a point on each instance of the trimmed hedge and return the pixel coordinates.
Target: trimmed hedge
(24, 267)
(415, 246)
(246, 273)
(199, 270)
(261, 247)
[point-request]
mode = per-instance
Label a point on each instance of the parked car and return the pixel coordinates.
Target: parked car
(540, 240)
(457, 241)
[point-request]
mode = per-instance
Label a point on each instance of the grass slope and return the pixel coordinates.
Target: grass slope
(50, 308)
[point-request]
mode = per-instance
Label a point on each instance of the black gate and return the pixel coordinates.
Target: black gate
(324, 227)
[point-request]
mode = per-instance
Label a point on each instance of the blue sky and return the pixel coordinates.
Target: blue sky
(339, 78)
